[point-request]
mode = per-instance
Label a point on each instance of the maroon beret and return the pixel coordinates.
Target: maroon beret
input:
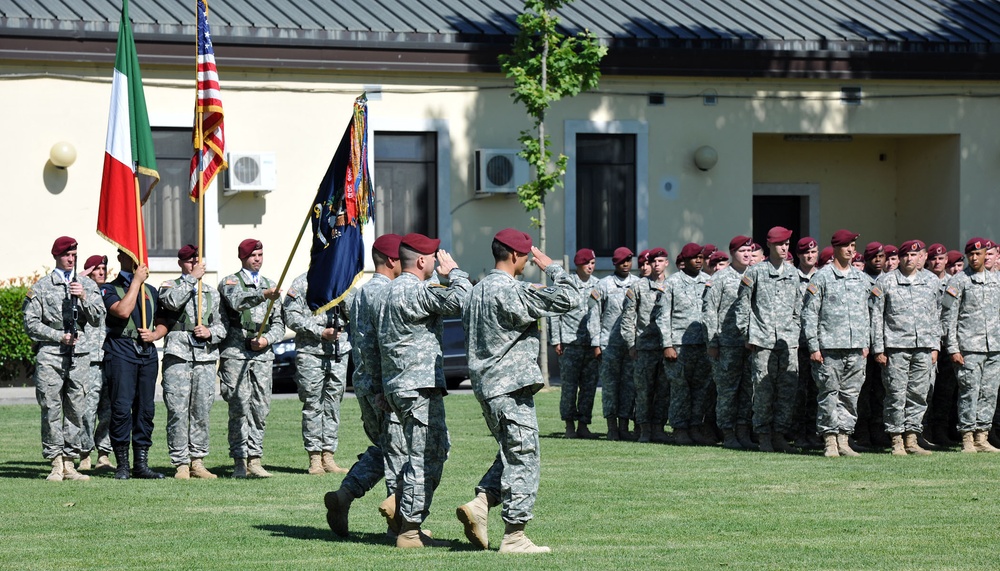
(690, 250)
(990, 244)
(584, 256)
(514, 239)
(954, 257)
(755, 247)
(247, 247)
(657, 253)
(891, 250)
(778, 234)
(620, 255)
(976, 244)
(62, 245)
(188, 251)
(420, 244)
(912, 246)
(708, 249)
(716, 257)
(936, 250)
(873, 249)
(388, 245)
(740, 241)
(805, 244)
(858, 257)
(94, 261)
(843, 238)
(643, 256)
(825, 255)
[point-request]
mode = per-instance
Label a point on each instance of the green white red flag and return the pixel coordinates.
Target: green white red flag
(129, 158)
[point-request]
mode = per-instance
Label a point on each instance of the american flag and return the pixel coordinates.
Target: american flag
(209, 140)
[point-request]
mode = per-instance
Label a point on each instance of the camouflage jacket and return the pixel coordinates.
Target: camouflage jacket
(501, 325)
(835, 310)
(309, 327)
(364, 304)
(719, 309)
(769, 305)
(179, 296)
(573, 328)
(605, 307)
(971, 305)
(243, 309)
(906, 312)
(639, 311)
(679, 318)
(43, 314)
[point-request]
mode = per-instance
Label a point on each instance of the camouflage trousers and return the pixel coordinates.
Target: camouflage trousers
(733, 387)
(516, 471)
(942, 410)
(838, 381)
(577, 383)
(978, 380)
(321, 381)
(246, 387)
(386, 456)
(690, 376)
(652, 389)
(425, 435)
(805, 396)
(907, 380)
(97, 412)
(188, 392)
(60, 389)
(617, 383)
(775, 373)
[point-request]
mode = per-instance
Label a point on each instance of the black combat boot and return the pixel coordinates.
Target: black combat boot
(121, 457)
(141, 468)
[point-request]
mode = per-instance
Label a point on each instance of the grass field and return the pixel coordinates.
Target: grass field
(602, 505)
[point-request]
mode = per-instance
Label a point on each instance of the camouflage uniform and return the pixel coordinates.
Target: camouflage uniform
(320, 378)
(942, 412)
(638, 328)
(501, 323)
(189, 366)
(805, 397)
(386, 457)
(245, 375)
(835, 319)
(409, 337)
(768, 313)
(577, 364)
(616, 367)
(61, 375)
(681, 327)
(906, 327)
(731, 370)
(971, 304)
(97, 409)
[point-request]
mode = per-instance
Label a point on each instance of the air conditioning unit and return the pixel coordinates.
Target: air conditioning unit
(251, 172)
(500, 171)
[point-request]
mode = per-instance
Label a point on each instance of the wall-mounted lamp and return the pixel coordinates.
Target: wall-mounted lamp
(705, 157)
(62, 154)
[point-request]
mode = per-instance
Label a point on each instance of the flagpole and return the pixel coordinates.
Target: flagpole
(199, 129)
(140, 246)
(288, 262)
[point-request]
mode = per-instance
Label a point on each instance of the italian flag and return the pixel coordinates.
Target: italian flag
(129, 158)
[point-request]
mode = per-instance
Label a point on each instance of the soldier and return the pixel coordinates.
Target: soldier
(726, 348)
(409, 337)
(869, 430)
(56, 308)
(906, 336)
(706, 254)
(190, 356)
(501, 323)
(768, 315)
(321, 356)
(385, 457)
(757, 254)
(131, 364)
(858, 262)
(956, 263)
(836, 323)
(825, 257)
(942, 413)
(577, 364)
(97, 413)
(643, 263)
(642, 338)
(604, 324)
(683, 337)
(717, 262)
(806, 249)
(247, 355)
(891, 258)
(972, 338)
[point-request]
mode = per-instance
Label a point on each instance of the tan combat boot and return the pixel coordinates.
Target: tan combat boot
(644, 432)
(338, 505)
(897, 445)
(780, 444)
(982, 443)
(410, 537)
(56, 475)
(183, 472)
(764, 442)
(514, 541)
(69, 471)
(844, 446)
(388, 510)
(256, 469)
(473, 516)
(198, 470)
(103, 461)
(912, 445)
(830, 449)
(316, 464)
(744, 437)
(239, 468)
(968, 443)
(612, 429)
(570, 429)
(85, 461)
(330, 466)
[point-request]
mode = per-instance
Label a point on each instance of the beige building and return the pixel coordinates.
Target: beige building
(816, 125)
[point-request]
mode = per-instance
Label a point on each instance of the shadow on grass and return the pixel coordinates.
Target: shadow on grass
(25, 470)
(323, 534)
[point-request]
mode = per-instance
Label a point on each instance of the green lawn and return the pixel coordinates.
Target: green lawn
(602, 505)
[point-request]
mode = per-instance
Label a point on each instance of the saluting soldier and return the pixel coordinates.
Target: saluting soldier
(97, 412)
(56, 310)
(190, 355)
(247, 356)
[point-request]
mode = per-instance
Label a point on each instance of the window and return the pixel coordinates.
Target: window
(171, 217)
(605, 192)
(406, 182)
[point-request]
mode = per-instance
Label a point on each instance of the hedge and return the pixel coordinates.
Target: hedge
(16, 355)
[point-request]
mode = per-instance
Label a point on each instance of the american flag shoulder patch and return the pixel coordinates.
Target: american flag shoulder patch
(292, 293)
(876, 291)
(812, 289)
(747, 281)
(708, 284)
(952, 291)
(232, 281)
(630, 294)
(595, 294)
(167, 284)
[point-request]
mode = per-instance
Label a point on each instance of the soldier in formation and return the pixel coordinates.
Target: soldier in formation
(97, 412)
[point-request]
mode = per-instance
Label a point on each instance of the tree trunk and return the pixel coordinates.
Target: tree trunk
(543, 358)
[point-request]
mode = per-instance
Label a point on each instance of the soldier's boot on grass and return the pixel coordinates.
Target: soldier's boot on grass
(898, 448)
(623, 432)
(473, 516)
(388, 510)
(982, 443)
(830, 448)
(140, 465)
(583, 432)
(239, 468)
(744, 437)
(612, 429)
(103, 461)
(844, 445)
(183, 472)
(968, 443)
(256, 469)
(198, 470)
(515, 541)
(316, 464)
(570, 429)
(56, 475)
(682, 437)
(702, 435)
(69, 471)
(121, 457)
(780, 444)
(730, 441)
(85, 461)
(330, 465)
(645, 435)
(338, 505)
(657, 434)
(911, 443)
(410, 537)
